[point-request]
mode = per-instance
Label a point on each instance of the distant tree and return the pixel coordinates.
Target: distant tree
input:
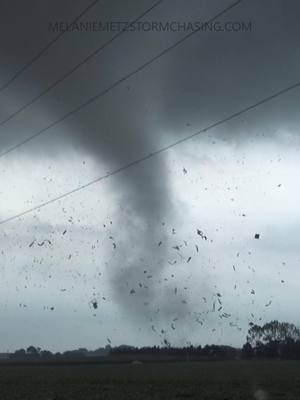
(247, 350)
(20, 353)
(82, 351)
(32, 351)
(46, 354)
(273, 331)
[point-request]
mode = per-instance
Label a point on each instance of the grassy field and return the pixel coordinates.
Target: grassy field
(218, 380)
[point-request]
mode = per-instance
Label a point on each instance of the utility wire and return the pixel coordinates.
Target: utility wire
(45, 48)
(154, 153)
(118, 82)
(77, 66)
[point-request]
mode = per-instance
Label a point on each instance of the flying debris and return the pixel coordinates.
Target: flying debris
(159, 244)
(31, 244)
(94, 304)
(173, 326)
(64, 232)
(189, 259)
(197, 249)
(173, 231)
(268, 304)
(201, 234)
(132, 291)
(43, 242)
(114, 245)
(256, 236)
(184, 171)
(252, 291)
(226, 315)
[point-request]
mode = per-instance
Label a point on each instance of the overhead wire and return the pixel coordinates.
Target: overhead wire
(154, 153)
(45, 48)
(118, 82)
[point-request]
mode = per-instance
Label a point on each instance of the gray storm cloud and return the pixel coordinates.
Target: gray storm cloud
(210, 76)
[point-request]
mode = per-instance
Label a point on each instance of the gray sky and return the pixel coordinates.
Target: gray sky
(115, 242)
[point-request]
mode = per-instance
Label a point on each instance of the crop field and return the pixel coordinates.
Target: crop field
(218, 380)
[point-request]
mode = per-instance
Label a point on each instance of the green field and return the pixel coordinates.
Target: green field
(183, 380)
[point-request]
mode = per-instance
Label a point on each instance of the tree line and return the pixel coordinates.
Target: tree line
(272, 340)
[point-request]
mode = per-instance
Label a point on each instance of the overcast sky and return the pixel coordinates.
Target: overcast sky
(161, 246)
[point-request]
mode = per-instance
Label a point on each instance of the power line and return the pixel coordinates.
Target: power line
(45, 48)
(118, 82)
(77, 66)
(154, 153)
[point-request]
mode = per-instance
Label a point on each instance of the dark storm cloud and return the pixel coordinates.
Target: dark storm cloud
(208, 77)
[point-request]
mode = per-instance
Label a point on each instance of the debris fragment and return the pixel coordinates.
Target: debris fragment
(94, 304)
(201, 234)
